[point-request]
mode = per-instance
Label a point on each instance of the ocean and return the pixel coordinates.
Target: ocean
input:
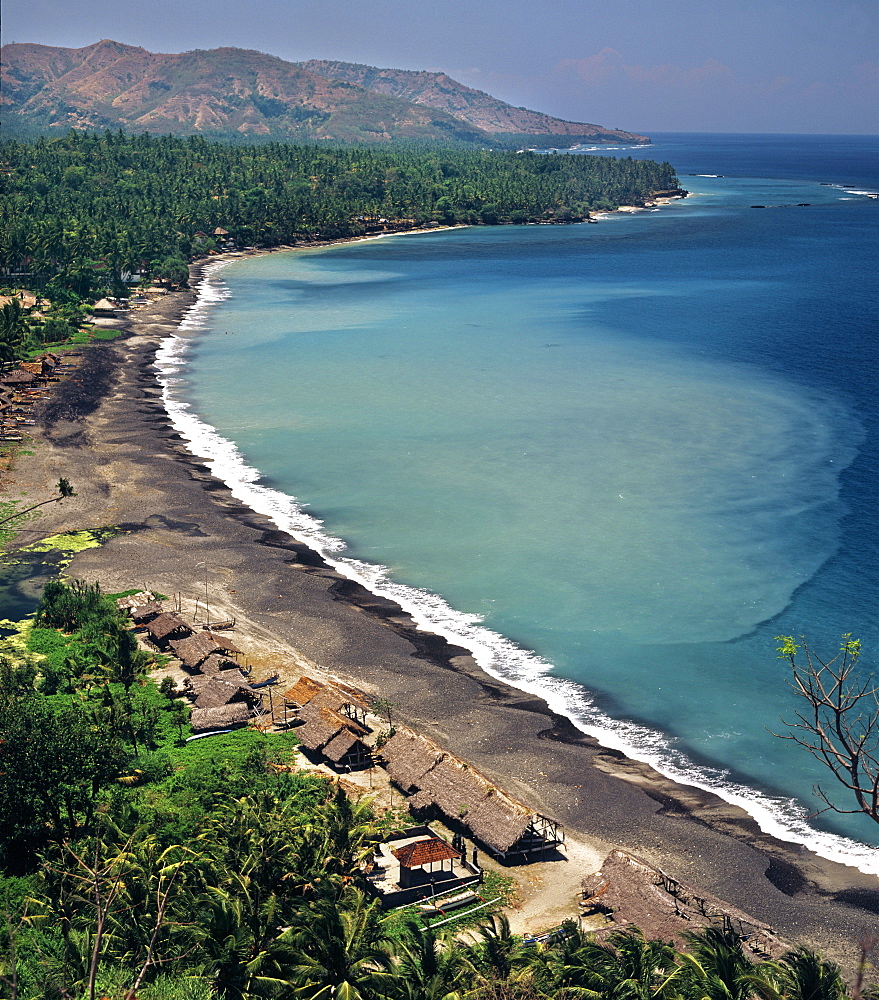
(616, 460)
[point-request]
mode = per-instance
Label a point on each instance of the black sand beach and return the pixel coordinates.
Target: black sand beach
(110, 436)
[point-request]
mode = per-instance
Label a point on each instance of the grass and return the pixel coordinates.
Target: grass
(495, 886)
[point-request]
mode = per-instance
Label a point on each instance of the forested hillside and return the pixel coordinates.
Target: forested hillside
(136, 865)
(84, 209)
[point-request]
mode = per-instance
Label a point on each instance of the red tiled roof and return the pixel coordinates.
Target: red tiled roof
(423, 852)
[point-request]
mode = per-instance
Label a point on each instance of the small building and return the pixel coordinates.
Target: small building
(422, 858)
(414, 866)
(165, 627)
(193, 649)
(222, 688)
(347, 750)
(441, 784)
(231, 716)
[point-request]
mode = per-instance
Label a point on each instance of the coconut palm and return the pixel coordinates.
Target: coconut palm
(430, 966)
(800, 975)
(716, 966)
(341, 951)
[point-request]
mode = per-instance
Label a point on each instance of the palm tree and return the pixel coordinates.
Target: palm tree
(341, 951)
(429, 966)
(800, 975)
(716, 967)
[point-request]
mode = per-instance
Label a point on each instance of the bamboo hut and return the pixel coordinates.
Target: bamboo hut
(216, 662)
(143, 613)
(224, 644)
(322, 724)
(167, 626)
(223, 717)
(407, 757)
(346, 749)
(195, 648)
(438, 781)
(632, 892)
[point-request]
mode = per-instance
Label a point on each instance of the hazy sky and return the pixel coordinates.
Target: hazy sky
(642, 65)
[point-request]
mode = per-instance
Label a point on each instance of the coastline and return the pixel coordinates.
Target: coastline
(132, 469)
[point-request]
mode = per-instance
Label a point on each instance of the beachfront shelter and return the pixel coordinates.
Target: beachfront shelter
(425, 857)
(204, 720)
(167, 626)
(346, 749)
(193, 649)
(438, 782)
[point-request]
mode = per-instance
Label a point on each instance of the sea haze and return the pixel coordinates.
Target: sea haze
(616, 460)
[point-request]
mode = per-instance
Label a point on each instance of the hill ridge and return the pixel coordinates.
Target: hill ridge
(248, 94)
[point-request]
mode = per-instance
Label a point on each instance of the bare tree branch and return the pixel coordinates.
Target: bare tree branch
(840, 728)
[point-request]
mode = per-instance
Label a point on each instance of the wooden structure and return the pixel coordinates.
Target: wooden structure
(631, 892)
(346, 749)
(167, 626)
(439, 782)
(193, 649)
(424, 855)
(231, 716)
(311, 693)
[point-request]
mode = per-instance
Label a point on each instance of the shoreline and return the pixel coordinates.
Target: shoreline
(499, 657)
(132, 468)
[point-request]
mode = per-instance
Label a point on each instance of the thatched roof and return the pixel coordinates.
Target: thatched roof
(454, 787)
(194, 648)
(639, 894)
(226, 645)
(302, 691)
(104, 305)
(322, 724)
(167, 624)
(222, 717)
(220, 688)
(17, 378)
(425, 852)
(216, 662)
(146, 612)
(499, 821)
(407, 757)
(343, 743)
(459, 791)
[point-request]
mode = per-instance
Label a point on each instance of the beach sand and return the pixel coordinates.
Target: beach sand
(180, 529)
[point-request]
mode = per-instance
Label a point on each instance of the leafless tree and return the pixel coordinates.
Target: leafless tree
(840, 727)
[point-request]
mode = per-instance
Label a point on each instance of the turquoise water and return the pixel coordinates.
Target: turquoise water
(614, 459)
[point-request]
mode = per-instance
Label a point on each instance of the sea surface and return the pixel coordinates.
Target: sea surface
(616, 460)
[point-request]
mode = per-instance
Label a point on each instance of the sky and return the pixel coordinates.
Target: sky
(641, 65)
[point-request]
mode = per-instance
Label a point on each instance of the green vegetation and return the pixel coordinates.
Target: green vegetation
(87, 214)
(134, 864)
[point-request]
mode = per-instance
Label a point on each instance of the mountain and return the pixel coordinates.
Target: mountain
(247, 95)
(481, 110)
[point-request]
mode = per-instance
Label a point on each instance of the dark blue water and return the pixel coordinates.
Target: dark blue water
(615, 459)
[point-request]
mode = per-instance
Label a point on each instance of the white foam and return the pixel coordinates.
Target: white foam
(781, 817)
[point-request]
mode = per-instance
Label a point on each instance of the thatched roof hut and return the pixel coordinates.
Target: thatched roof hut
(454, 787)
(302, 692)
(222, 643)
(499, 821)
(166, 626)
(635, 893)
(18, 377)
(347, 748)
(193, 649)
(220, 689)
(223, 717)
(104, 307)
(322, 724)
(142, 613)
(407, 757)
(216, 662)
(441, 781)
